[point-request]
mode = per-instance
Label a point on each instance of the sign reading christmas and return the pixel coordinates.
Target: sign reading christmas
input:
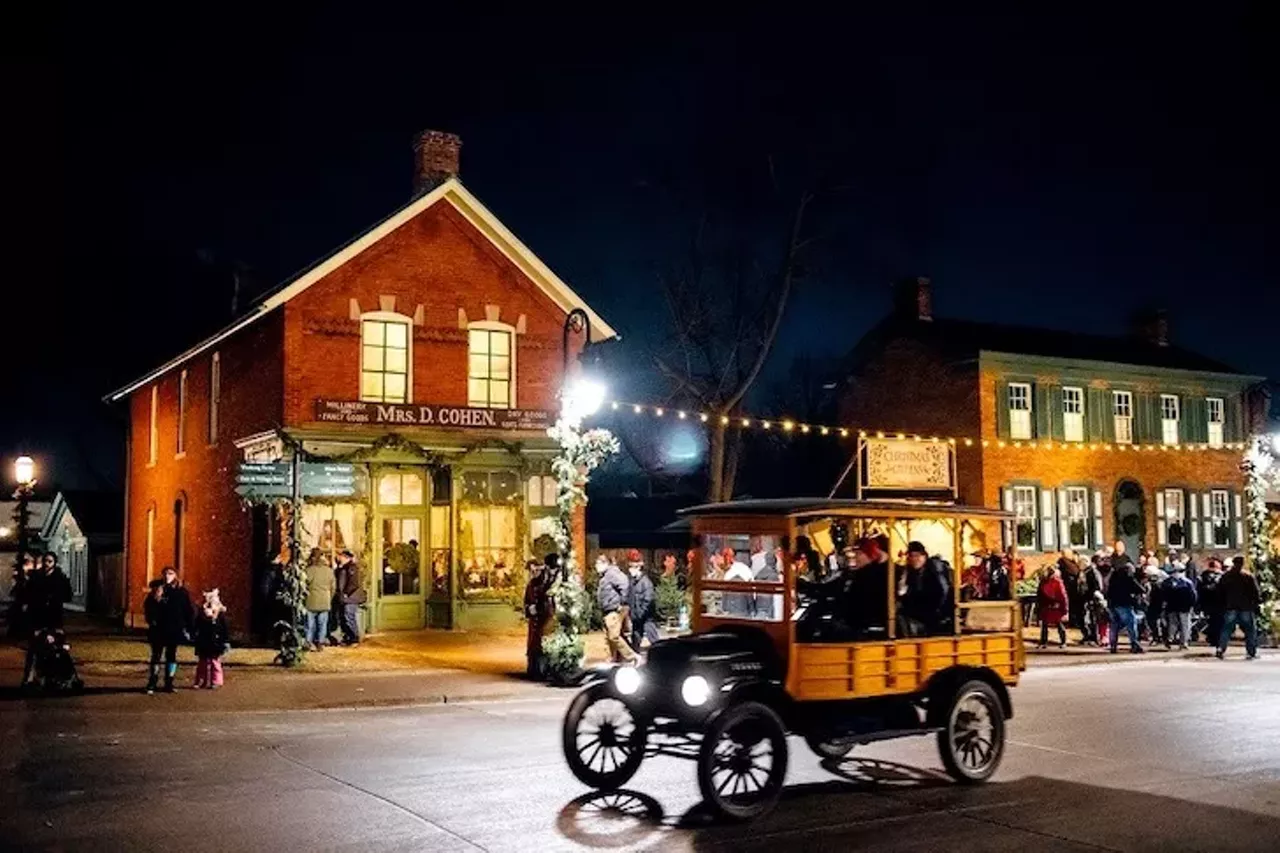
(429, 415)
(907, 464)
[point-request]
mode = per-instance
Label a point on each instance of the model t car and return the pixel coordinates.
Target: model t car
(766, 658)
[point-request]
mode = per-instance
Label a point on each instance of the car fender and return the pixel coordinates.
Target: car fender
(765, 691)
(943, 685)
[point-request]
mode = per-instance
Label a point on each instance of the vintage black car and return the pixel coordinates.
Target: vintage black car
(763, 663)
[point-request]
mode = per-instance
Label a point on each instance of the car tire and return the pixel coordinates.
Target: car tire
(603, 738)
(971, 740)
(829, 749)
(734, 741)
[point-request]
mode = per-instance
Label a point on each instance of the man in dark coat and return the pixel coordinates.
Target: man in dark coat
(538, 611)
(46, 590)
(169, 617)
(1123, 594)
(642, 601)
(1210, 600)
(347, 597)
(1241, 599)
(926, 607)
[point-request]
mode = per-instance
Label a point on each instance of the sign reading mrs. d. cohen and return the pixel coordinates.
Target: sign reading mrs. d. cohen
(907, 464)
(429, 415)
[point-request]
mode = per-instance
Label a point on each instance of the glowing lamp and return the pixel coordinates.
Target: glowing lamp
(24, 470)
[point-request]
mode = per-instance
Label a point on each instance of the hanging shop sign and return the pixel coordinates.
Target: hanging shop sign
(428, 415)
(316, 479)
(907, 465)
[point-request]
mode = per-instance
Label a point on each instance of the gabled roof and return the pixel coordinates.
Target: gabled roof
(958, 340)
(451, 191)
(96, 513)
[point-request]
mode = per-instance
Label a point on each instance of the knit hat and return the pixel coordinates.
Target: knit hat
(916, 547)
(633, 556)
(870, 547)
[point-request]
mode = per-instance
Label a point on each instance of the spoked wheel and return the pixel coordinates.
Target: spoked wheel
(972, 741)
(604, 739)
(743, 761)
(836, 748)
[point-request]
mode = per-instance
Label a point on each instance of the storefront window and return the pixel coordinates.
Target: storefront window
(489, 542)
(440, 526)
(330, 528)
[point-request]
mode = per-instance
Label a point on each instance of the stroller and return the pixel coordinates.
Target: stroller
(54, 668)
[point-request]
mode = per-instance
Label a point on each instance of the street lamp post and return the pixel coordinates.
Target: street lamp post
(24, 472)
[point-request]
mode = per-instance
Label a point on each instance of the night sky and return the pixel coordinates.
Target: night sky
(1057, 171)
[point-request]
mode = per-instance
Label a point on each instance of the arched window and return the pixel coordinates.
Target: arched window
(180, 532)
(491, 373)
(385, 357)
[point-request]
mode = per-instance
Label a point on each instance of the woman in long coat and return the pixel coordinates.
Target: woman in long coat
(538, 610)
(1053, 607)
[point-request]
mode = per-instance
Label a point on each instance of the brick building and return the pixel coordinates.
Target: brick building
(426, 354)
(1086, 438)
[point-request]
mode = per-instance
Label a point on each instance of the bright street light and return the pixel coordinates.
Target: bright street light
(4, 532)
(583, 397)
(24, 470)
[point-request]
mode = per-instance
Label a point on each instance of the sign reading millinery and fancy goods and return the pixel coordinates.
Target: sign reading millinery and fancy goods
(907, 464)
(430, 415)
(316, 479)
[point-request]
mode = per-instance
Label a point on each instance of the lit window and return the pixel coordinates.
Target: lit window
(182, 412)
(1220, 517)
(1024, 512)
(151, 543)
(215, 396)
(1169, 418)
(1019, 410)
(1217, 418)
(1172, 522)
(491, 373)
(397, 489)
(384, 359)
(1122, 408)
(1077, 517)
(1073, 414)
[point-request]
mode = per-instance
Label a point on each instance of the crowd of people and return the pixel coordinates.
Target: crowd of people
(40, 591)
(1156, 600)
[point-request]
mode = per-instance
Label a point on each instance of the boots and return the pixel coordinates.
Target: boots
(152, 678)
(170, 671)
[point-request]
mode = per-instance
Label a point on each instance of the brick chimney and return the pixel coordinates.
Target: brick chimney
(1152, 326)
(435, 160)
(913, 299)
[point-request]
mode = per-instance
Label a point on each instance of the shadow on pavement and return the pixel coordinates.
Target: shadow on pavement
(889, 806)
(14, 694)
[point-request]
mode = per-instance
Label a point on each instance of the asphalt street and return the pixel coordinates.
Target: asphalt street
(1150, 755)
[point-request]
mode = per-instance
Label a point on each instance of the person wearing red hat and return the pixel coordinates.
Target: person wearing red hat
(642, 600)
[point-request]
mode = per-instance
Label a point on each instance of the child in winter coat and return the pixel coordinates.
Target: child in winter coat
(211, 641)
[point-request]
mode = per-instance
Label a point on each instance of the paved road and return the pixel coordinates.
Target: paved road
(1152, 755)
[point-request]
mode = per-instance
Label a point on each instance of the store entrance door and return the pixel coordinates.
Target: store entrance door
(401, 524)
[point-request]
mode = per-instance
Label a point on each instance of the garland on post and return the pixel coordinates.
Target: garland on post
(580, 454)
(1260, 468)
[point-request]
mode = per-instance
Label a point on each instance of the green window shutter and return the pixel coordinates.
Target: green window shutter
(1098, 418)
(1043, 410)
(1231, 430)
(1195, 420)
(1002, 408)
(1057, 430)
(1147, 420)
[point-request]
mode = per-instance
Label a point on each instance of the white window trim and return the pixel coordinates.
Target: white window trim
(215, 394)
(388, 317)
(1215, 436)
(1175, 420)
(495, 326)
(1116, 396)
(1163, 520)
(153, 433)
(1067, 390)
(1034, 518)
(1212, 518)
(1030, 411)
(1065, 519)
(181, 444)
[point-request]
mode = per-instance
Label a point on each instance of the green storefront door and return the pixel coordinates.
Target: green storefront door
(399, 533)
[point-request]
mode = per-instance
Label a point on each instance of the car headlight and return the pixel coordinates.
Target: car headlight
(695, 690)
(627, 679)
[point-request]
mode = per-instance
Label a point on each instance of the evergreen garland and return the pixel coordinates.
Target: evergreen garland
(580, 454)
(1260, 467)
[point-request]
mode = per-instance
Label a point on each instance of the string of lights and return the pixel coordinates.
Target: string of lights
(790, 425)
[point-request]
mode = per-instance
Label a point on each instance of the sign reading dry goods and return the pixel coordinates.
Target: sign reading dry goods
(907, 464)
(428, 415)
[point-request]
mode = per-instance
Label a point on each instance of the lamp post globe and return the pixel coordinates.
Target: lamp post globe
(24, 471)
(583, 397)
